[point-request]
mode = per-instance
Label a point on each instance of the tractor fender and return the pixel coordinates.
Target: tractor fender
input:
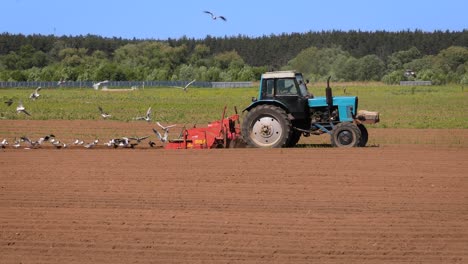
(267, 102)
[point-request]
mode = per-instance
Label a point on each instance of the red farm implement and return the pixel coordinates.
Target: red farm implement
(224, 133)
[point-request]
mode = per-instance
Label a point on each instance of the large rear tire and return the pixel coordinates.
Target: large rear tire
(294, 138)
(266, 126)
(345, 135)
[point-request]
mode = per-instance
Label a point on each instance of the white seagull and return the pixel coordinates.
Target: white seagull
(4, 143)
(215, 17)
(16, 143)
(185, 88)
(35, 94)
(32, 144)
(78, 142)
(92, 144)
(20, 108)
(59, 144)
(96, 85)
(103, 114)
(163, 138)
(147, 117)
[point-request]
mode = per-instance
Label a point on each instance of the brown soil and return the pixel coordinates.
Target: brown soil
(401, 200)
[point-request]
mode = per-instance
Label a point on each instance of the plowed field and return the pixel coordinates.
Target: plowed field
(403, 199)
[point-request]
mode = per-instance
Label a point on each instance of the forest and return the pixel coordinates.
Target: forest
(439, 56)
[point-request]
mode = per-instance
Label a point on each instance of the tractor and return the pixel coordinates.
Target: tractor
(285, 110)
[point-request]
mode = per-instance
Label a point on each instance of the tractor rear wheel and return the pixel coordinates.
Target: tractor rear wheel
(364, 135)
(295, 136)
(345, 135)
(266, 126)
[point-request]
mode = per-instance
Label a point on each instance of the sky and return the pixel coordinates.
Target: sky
(153, 19)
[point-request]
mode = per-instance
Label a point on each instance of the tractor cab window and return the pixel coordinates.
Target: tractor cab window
(303, 86)
(268, 88)
(286, 87)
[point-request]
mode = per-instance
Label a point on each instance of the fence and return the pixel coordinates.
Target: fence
(122, 84)
(415, 83)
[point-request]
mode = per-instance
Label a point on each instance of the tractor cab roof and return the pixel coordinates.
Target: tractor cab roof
(279, 74)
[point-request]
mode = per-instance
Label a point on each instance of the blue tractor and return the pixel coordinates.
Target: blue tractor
(285, 110)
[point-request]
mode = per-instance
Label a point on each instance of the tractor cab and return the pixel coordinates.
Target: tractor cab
(287, 89)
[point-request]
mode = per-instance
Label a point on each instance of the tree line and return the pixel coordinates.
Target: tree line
(439, 56)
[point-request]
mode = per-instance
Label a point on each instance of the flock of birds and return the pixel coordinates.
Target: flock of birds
(122, 142)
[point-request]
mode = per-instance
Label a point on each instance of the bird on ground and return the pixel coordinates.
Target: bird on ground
(151, 144)
(49, 138)
(125, 143)
(215, 17)
(112, 143)
(20, 108)
(103, 114)
(32, 144)
(9, 102)
(147, 117)
(92, 144)
(34, 95)
(4, 143)
(58, 144)
(185, 88)
(16, 143)
(78, 142)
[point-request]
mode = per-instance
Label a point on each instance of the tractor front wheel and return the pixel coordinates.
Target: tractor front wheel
(345, 135)
(364, 135)
(267, 126)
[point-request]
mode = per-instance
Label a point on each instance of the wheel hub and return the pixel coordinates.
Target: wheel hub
(266, 131)
(345, 137)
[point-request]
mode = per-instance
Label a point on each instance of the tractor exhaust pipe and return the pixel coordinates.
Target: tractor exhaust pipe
(328, 94)
(329, 97)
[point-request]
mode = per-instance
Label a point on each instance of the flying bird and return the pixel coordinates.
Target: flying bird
(151, 144)
(185, 88)
(147, 117)
(20, 108)
(163, 137)
(138, 139)
(215, 17)
(103, 114)
(35, 94)
(96, 85)
(165, 128)
(9, 102)
(32, 144)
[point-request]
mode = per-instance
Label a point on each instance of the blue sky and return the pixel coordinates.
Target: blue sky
(152, 19)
